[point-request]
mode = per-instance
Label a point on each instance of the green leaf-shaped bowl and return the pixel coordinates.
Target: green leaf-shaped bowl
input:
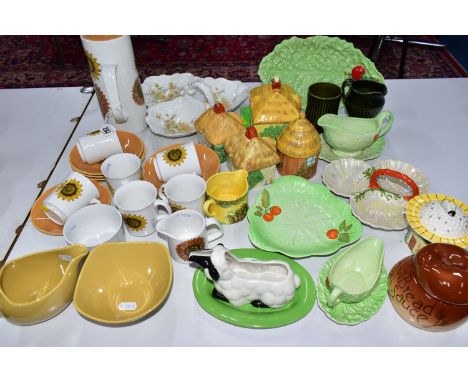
(301, 62)
(312, 221)
(248, 316)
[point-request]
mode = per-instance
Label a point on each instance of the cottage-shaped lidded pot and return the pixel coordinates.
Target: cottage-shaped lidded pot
(299, 146)
(256, 154)
(251, 153)
(274, 103)
(215, 126)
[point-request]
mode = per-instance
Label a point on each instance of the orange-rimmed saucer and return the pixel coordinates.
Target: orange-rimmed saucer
(100, 176)
(130, 144)
(42, 223)
(209, 163)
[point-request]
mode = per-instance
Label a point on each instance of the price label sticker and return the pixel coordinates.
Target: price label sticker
(65, 257)
(310, 161)
(127, 305)
(107, 129)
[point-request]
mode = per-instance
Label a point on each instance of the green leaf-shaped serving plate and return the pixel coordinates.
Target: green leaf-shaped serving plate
(312, 221)
(301, 62)
(249, 316)
(351, 313)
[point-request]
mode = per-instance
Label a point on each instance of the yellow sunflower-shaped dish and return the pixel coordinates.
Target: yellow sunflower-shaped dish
(439, 218)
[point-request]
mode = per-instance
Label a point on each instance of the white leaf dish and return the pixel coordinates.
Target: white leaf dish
(395, 185)
(347, 176)
(175, 118)
(230, 93)
(379, 209)
(166, 87)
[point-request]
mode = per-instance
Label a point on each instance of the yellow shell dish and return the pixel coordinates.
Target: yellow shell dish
(218, 127)
(251, 154)
(274, 106)
(299, 140)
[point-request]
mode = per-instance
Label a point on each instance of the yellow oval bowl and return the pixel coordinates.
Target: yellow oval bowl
(123, 282)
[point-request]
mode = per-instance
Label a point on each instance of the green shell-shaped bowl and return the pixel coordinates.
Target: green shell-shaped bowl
(301, 62)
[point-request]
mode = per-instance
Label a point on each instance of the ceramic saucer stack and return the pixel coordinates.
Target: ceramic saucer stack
(130, 144)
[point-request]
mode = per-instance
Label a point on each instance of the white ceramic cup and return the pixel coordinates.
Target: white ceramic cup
(137, 202)
(182, 159)
(187, 231)
(98, 145)
(74, 193)
(184, 192)
(94, 225)
(116, 82)
(120, 169)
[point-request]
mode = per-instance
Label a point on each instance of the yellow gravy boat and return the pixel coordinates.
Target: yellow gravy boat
(36, 287)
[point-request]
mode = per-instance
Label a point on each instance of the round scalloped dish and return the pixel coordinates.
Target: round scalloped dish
(379, 209)
(347, 176)
(351, 313)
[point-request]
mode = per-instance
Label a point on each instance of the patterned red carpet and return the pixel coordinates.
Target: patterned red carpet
(54, 61)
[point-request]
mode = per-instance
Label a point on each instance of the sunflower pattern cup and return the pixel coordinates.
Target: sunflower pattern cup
(74, 193)
(141, 210)
(182, 159)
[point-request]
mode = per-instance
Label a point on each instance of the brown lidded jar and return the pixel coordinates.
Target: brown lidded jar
(299, 146)
(428, 290)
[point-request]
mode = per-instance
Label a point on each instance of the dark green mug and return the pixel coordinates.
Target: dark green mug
(322, 98)
(363, 98)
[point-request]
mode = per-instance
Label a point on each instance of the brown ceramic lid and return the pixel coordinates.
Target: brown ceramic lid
(442, 270)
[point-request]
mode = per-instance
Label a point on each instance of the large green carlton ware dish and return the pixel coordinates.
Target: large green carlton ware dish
(249, 316)
(312, 222)
(302, 62)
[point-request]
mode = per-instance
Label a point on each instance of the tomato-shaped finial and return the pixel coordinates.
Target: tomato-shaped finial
(275, 83)
(218, 108)
(358, 72)
(251, 132)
